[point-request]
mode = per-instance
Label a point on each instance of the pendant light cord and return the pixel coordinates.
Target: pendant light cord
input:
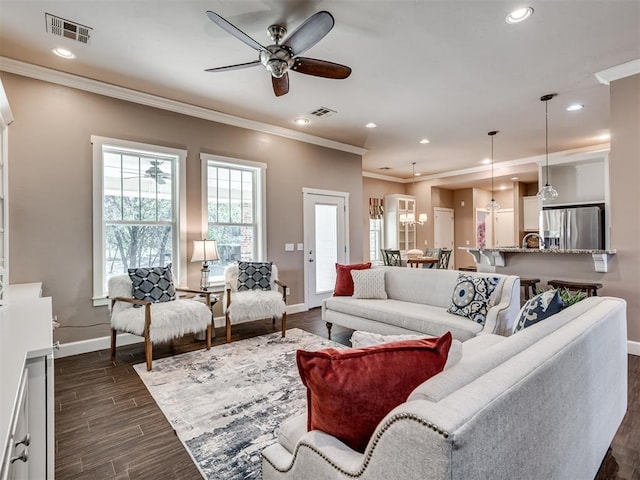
(546, 136)
(491, 134)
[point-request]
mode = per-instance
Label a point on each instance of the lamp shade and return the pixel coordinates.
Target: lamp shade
(204, 251)
(422, 218)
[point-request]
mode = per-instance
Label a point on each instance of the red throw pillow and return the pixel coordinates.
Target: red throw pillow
(344, 281)
(349, 391)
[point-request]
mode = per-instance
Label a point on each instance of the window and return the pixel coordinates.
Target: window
(375, 239)
(235, 211)
(137, 209)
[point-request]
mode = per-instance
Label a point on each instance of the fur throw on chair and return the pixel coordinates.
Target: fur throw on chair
(250, 305)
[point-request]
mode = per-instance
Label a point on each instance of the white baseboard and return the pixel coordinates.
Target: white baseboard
(103, 343)
(95, 344)
(633, 347)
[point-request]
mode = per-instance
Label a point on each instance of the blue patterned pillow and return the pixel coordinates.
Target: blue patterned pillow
(538, 308)
(254, 276)
(153, 284)
(471, 297)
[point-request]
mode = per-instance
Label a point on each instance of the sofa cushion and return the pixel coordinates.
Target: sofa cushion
(153, 284)
(472, 296)
(344, 280)
(473, 366)
(538, 308)
(368, 284)
(360, 339)
(416, 317)
(350, 391)
(254, 276)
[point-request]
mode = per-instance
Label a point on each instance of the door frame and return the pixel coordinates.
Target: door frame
(305, 258)
(453, 232)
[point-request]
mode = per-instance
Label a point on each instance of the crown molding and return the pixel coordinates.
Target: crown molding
(619, 71)
(379, 176)
(114, 91)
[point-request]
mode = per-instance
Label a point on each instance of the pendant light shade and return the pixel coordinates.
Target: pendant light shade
(548, 192)
(492, 205)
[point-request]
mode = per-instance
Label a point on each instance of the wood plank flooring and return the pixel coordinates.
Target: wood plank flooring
(108, 426)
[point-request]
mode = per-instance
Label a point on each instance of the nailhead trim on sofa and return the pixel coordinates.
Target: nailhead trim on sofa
(376, 439)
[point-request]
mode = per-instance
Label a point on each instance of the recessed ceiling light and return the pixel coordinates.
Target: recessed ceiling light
(515, 178)
(63, 52)
(574, 107)
(371, 125)
(503, 187)
(486, 161)
(424, 140)
(417, 174)
(604, 136)
(301, 121)
(519, 15)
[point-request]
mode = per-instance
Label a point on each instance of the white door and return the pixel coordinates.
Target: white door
(504, 228)
(443, 228)
(325, 242)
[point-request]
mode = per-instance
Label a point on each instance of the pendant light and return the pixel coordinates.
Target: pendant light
(492, 205)
(547, 192)
(410, 218)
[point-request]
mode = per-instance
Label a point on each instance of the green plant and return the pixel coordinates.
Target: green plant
(570, 298)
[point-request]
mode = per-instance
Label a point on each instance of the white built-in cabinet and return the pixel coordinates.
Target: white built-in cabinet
(399, 236)
(26, 375)
(6, 118)
(530, 213)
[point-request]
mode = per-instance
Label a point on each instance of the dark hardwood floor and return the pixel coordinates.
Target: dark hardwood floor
(108, 426)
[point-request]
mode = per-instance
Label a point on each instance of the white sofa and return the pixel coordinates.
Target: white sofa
(418, 302)
(544, 403)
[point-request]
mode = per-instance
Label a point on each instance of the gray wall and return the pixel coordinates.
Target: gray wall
(50, 187)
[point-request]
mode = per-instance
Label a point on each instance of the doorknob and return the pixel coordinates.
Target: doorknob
(311, 260)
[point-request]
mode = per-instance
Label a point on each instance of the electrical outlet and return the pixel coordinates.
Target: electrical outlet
(288, 291)
(426, 242)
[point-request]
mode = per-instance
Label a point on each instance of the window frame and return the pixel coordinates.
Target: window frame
(260, 196)
(179, 208)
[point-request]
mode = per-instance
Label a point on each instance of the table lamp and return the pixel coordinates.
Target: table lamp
(204, 251)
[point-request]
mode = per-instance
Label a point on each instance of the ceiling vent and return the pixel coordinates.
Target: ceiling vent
(384, 168)
(323, 112)
(68, 29)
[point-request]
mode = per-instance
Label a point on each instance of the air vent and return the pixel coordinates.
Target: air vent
(68, 29)
(384, 168)
(323, 112)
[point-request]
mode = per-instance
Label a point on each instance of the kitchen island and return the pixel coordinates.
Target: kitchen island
(487, 259)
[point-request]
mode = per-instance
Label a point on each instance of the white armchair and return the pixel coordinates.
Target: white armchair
(254, 304)
(156, 322)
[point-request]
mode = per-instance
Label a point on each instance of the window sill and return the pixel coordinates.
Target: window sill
(100, 301)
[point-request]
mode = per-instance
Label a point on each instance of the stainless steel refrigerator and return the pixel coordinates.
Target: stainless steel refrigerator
(567, 228)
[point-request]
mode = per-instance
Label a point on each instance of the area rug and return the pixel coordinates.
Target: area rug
(226, 404)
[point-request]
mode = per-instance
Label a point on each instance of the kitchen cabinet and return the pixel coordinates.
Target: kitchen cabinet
(530, 213)
(397, 235)
(26, 376)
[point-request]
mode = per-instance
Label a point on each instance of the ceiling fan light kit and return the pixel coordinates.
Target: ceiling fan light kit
(548, 192)
(283, 55)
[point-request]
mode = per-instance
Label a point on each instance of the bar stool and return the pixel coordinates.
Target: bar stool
(529, 285)
(590, 288)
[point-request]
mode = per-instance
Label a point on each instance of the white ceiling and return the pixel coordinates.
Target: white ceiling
(449, 71)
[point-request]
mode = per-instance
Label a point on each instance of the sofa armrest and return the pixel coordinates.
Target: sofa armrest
(502, 315)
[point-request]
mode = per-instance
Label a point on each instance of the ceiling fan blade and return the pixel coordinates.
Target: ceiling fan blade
(234, 67)
(233, 30)
(310, 32)
(280, 85)
(320, 68)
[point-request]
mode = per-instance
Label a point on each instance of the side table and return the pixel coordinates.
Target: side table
(208, 298)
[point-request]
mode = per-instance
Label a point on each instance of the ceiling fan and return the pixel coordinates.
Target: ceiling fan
(280, 57)
(154, 172)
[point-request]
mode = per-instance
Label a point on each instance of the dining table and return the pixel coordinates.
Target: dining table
(415, 262)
